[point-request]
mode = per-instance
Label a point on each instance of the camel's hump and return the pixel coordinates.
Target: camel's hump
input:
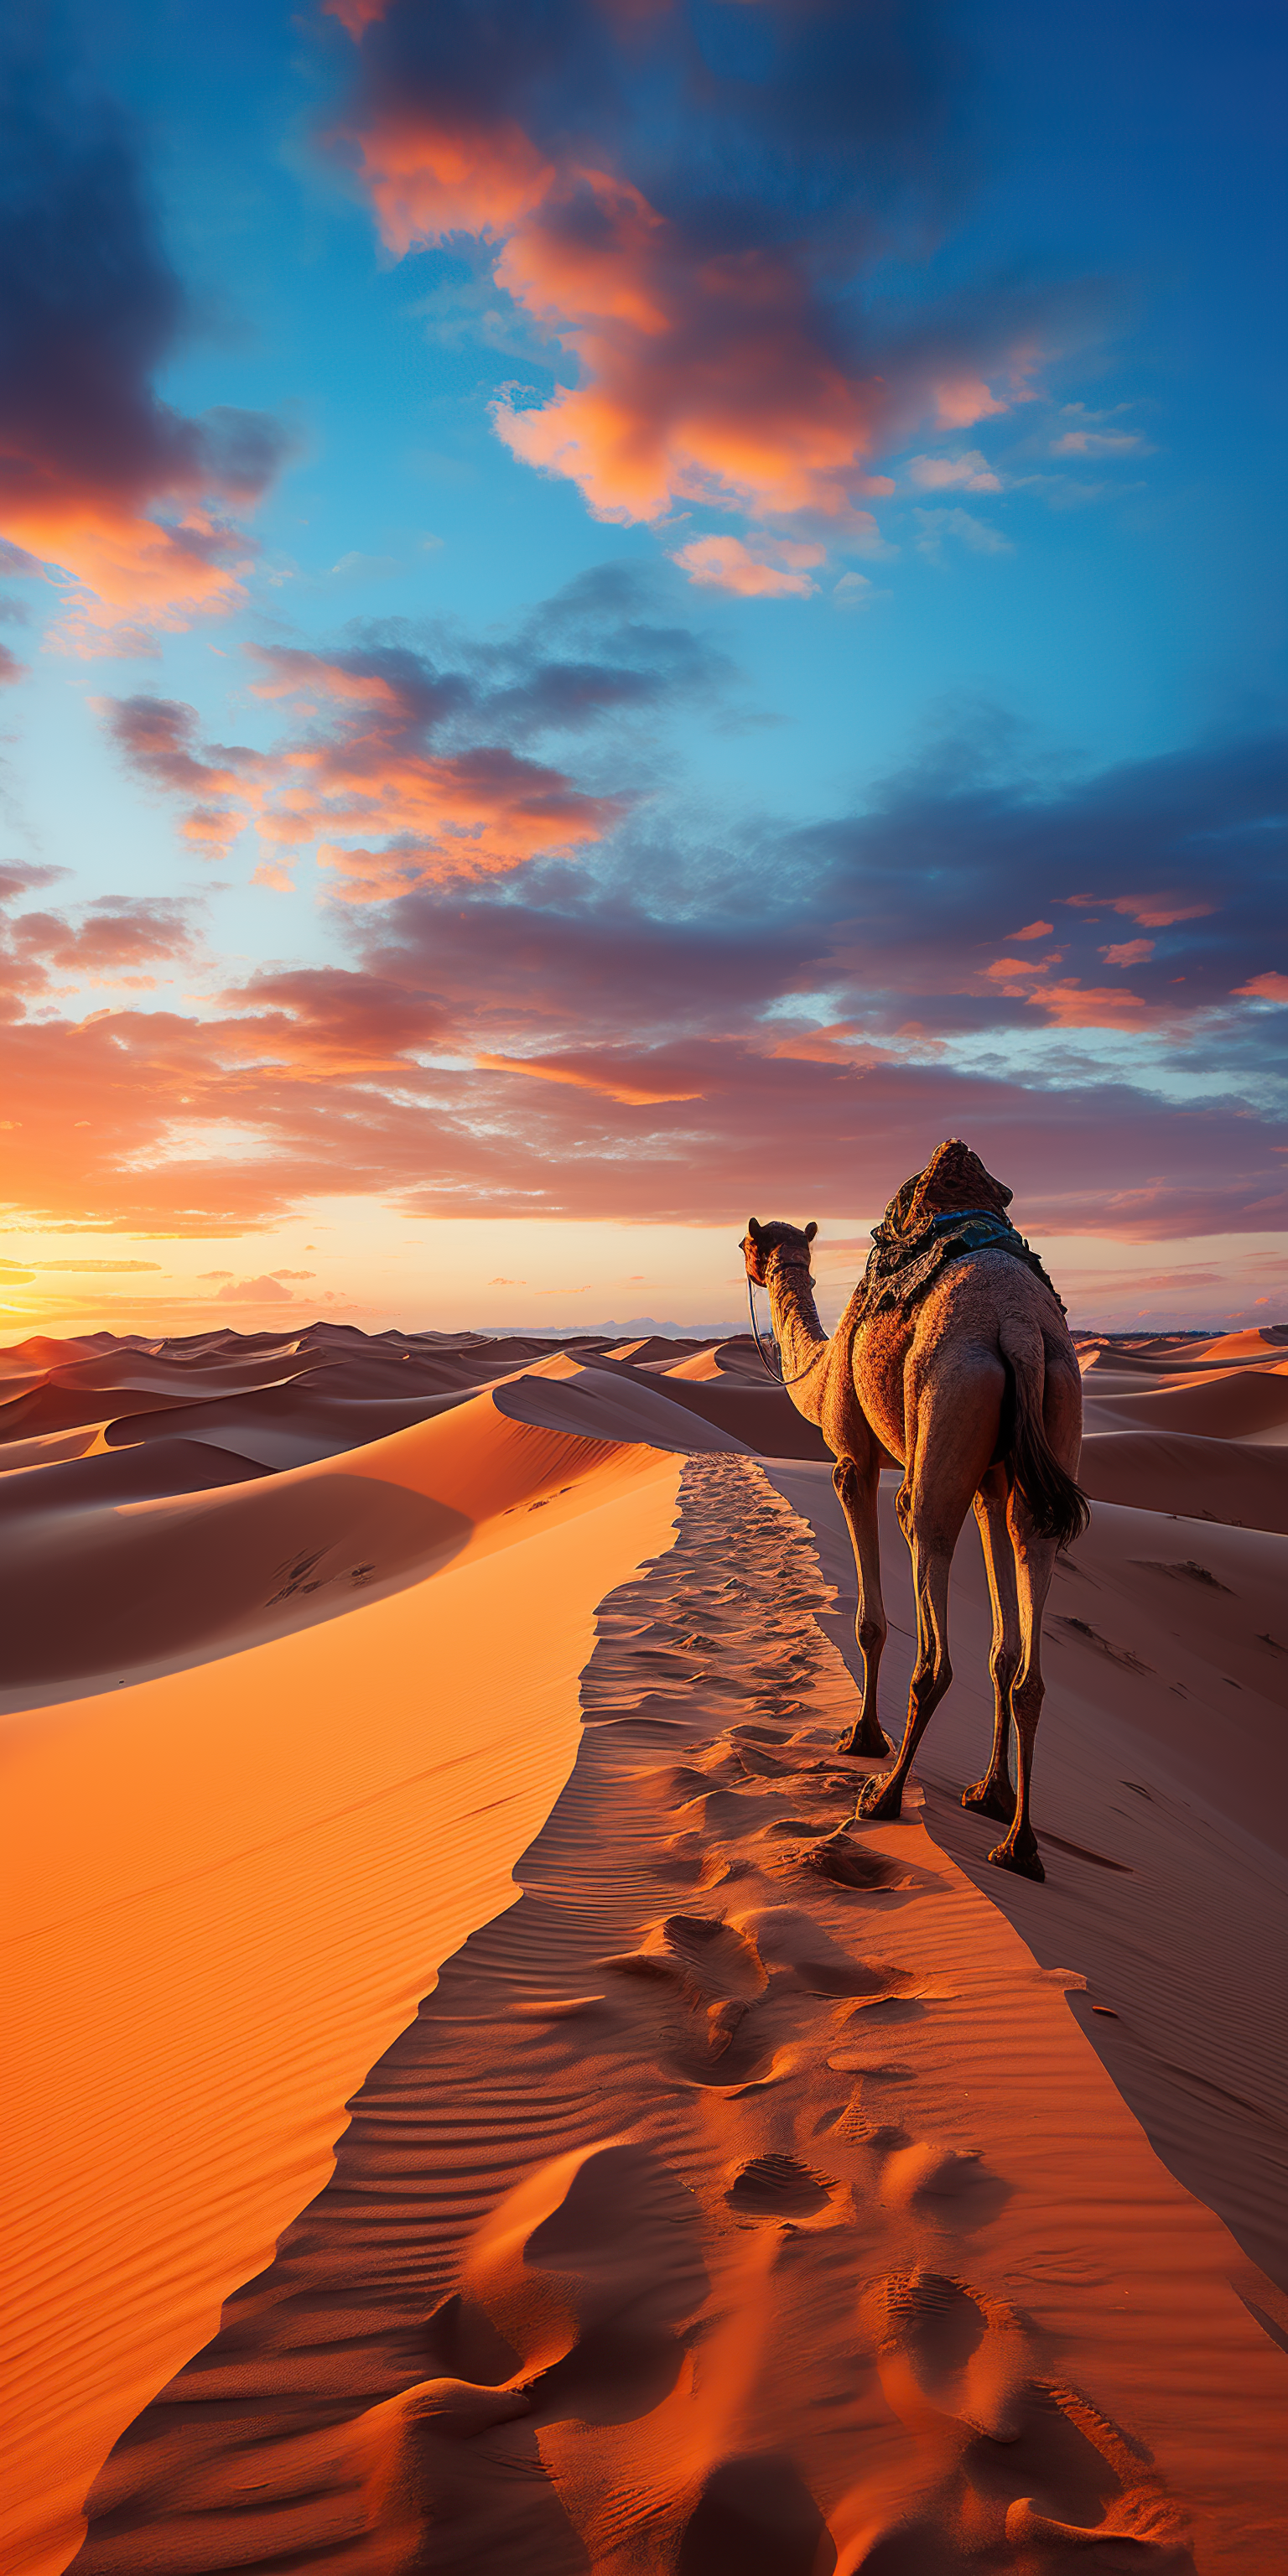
(954, 1179)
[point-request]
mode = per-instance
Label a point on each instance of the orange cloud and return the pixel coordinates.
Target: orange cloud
(1270, 987)
(398, 1077)
(1152, 911)
(702, 380)
(158, 737)
(427, 181)
(127, 567)
(962, 400)
(1084, 1006)
(476, 815)
(725, 563)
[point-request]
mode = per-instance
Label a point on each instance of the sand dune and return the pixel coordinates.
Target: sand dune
(229, 1885)
(1230, 1403)
(683, 1414)
(1219, 1480)
(1255, 1343)
(1190, 1427)
(51, 1385)
(757, 2191)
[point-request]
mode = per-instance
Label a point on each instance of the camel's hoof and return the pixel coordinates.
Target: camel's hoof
(880, 1799)
(984, 1800)
(867, 1743)
(1024, 1864)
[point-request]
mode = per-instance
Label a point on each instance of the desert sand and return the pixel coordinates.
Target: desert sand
(477, 2101)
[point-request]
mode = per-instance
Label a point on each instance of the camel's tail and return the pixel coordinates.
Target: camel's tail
(1059, 1506)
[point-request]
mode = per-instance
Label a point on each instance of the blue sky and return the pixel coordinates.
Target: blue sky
(952, 656)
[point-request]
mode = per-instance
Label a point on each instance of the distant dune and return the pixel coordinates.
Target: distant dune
(474, 2099)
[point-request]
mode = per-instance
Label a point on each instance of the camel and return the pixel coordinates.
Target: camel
(953, 1361)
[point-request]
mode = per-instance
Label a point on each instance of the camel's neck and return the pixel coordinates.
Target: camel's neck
(797, 1331)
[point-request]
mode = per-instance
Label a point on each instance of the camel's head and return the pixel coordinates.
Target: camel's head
(760, 1241)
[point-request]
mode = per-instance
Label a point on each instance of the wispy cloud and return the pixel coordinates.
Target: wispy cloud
(969, 472)
(1100, 442)
(936, 528)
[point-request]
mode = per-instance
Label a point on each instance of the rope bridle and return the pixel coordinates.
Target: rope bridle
(768, 1366)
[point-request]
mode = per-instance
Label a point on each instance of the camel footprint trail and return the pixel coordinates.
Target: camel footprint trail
(738, 2200)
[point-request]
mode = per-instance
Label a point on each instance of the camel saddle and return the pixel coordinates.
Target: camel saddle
(951, 1208)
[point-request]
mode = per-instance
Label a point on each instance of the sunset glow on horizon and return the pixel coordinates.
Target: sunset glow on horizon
(619, 615)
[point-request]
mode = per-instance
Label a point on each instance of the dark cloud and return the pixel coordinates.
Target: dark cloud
(744, 123)
(1160, 882)
(964, 902)
(90, 309)
(159, 739)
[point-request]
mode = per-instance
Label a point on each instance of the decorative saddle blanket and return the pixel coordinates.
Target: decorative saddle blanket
(919, 1233)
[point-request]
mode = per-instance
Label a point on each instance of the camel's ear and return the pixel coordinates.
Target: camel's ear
(810, 1231)
(753, 1229)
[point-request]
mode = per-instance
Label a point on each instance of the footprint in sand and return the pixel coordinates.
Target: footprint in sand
(721, 1958)
(695, 1863)
(715, 1974)
(867, 1981)
(754, 2517)
(846, 1863)
(1046, 2473)
(582, 2277)
(443, 2468)
(800, 1949)
(701, 1953)
(946, 2349)
(835, 1857)
(949, 2185)
(1142, 2534)
(1148, 2527)
(778, 2187)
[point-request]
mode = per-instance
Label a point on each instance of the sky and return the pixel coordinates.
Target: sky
(620, 612)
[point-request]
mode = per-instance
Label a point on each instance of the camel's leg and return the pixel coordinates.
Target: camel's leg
(952, 1409)
(994, 1795)
(857, 1494)
(931, 1540)
(1034, 1559)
